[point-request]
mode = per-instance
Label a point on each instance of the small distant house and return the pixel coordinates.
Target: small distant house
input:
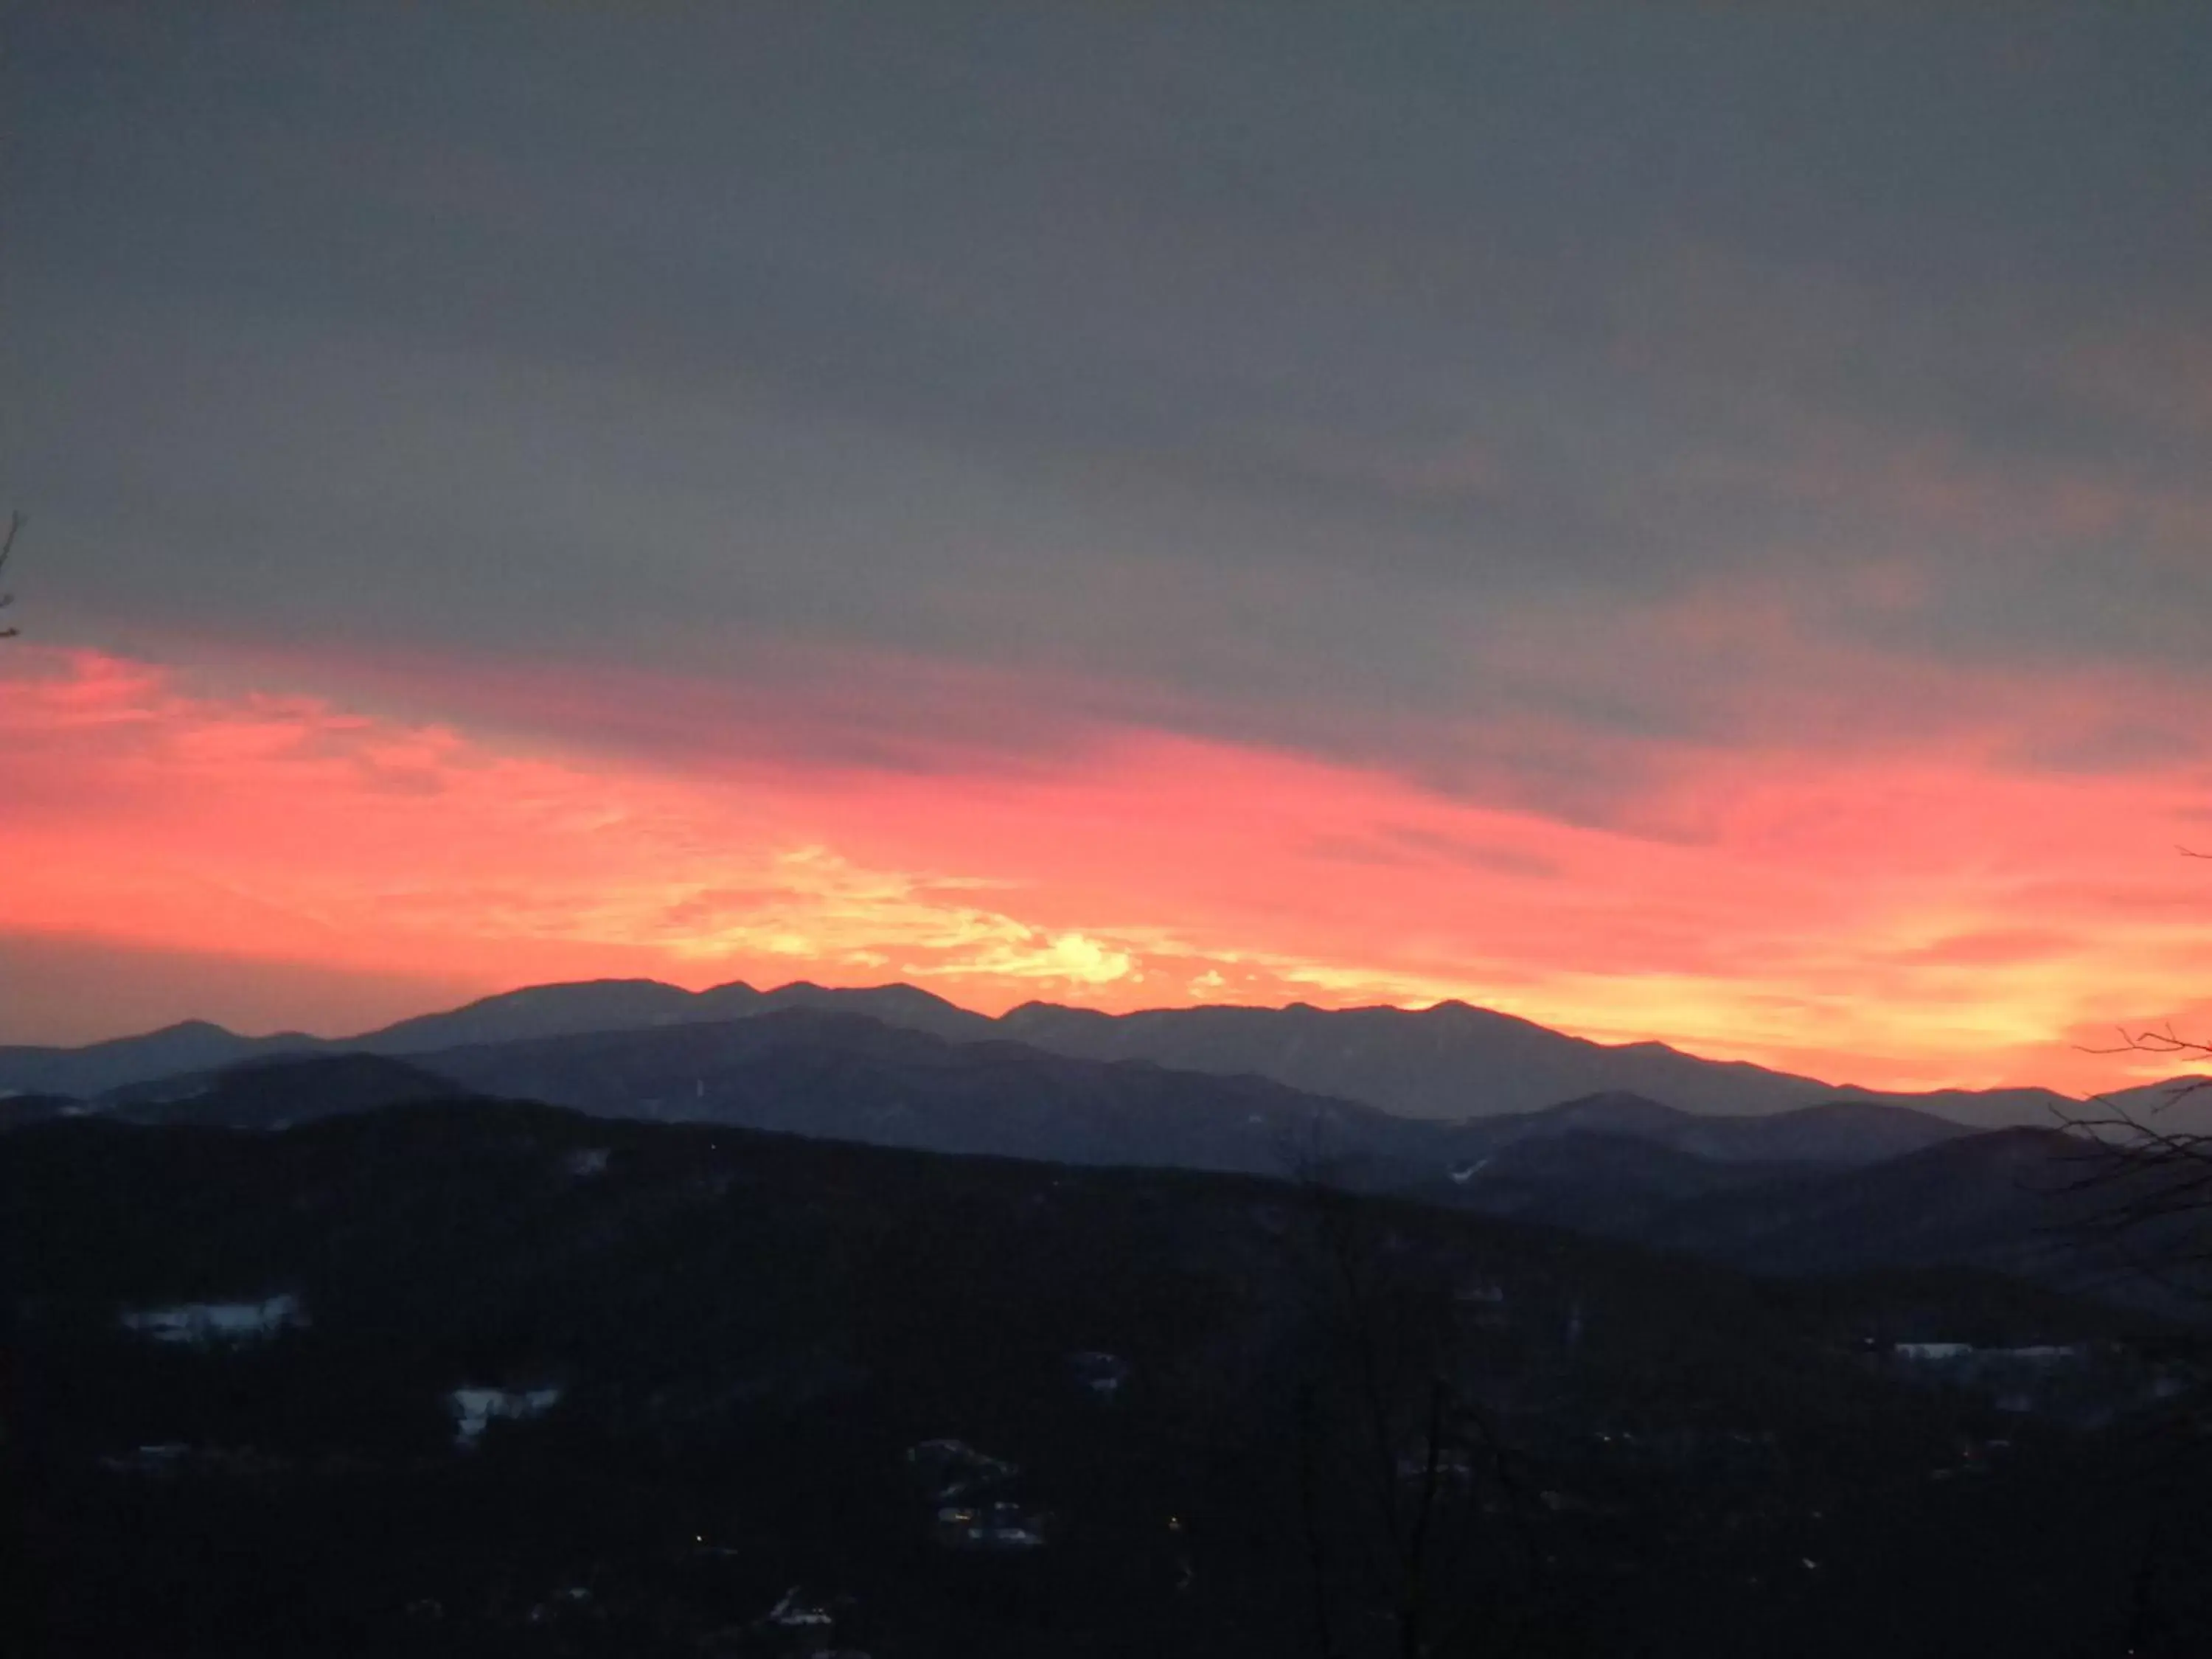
(990, 1526)
(476, 1409)
(1100, 1374)
(2044, 1353)
(164, 1458)
(795, 1613)
(586, 1162)
(953, 1469)
(211, 1324)
(1453, 1466)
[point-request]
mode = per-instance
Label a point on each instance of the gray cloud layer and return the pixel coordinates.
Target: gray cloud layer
(1338, 376)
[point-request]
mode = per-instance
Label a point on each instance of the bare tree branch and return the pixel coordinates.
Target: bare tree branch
(7, 547)
(2155, 1176)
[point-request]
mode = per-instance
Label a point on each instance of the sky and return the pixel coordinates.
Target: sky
(1681, 521)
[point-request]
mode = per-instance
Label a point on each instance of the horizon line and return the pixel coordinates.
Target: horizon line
(1408, 1008)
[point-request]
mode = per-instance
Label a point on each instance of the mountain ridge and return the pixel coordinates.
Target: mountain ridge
(1842, 1186)
(840, 1074)
(1449, 1062)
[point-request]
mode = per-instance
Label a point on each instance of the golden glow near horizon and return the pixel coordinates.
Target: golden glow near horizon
(1901, 918)
(1420, 509)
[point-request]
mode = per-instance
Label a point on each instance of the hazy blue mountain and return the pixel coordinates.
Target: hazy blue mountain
(818, 1070)
(193, 1046)
(1974, 1198)
(1842, 1187)
(536, 1011)
(904, 1005)
(1450, 1062)
(843, 1076)
(279, 1091)
(1838, 1132)
(621, 1005)
(2033, 1203)
(2181, 1105)
(1613, 1184)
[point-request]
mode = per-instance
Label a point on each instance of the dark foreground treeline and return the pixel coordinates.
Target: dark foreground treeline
(1242, 1417)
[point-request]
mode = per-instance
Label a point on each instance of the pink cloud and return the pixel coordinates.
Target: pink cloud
(1890, 914)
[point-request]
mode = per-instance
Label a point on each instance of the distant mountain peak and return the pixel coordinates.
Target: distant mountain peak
(185, 1028)
(1617, 1104)
(1451, 1062)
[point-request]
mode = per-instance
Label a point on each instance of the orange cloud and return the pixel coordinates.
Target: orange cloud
(1891, 916)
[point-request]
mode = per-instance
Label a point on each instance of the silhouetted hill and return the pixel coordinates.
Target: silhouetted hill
(279, 1092)
(575, 1010)
(191, 1047)
(1612, 1184)
(1819, 1190)
(1989, 1196)
(1452, 1061)
(537, 1010)
(17, 1111)
(739, 1340)
(1836, 1132)
(1447, 1062)
(1839, 1132)
(2028, 1202)
(851, 1077)
(903, 1005)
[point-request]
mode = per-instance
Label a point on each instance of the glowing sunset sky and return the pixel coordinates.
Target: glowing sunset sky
(1674, 523)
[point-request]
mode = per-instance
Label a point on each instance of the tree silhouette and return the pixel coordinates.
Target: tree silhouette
(2148, 1177)
(2157, 1171)
(2155, 1174)
(7, 547)
(1413, 1518)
